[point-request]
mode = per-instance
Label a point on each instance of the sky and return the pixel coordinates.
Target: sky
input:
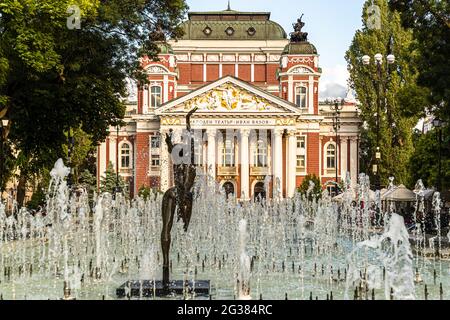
(331, 25)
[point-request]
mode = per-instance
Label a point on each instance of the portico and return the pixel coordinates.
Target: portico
(242, 145)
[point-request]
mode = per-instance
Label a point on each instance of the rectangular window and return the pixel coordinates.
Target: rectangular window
(301, 162)
(300, 97)
(155, 97)
(331, 157)
(125, 156)
(301, 142)
(155, 161)
(155, 142)
(228, 154)
(260, 157)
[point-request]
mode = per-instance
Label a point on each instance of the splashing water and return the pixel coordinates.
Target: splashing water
(244, 263)
(302, 247)
(390, 254)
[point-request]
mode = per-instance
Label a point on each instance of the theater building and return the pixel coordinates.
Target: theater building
(257, 94)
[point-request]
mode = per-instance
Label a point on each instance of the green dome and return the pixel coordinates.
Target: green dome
(231, 25)
(300, 48)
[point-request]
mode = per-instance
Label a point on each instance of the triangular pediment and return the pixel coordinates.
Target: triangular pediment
(229, 95)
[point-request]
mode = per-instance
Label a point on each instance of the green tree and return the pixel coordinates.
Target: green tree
(53, 78)
(424, 162)
(316, 192)
(396, 125)
(109, 181)
(81, 151)
(430, 23)
(88, 181)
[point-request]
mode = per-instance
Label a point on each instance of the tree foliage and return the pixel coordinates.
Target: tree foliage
(304, 188)
(109, 181)
(396, 121)
(53, 78)
(425, 160)
(430, 23)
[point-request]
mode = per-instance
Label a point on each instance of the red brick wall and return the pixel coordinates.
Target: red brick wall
(228, 70)
(140, 101)
(313, 153)
(272, 74)
(185, 73)
(299, 181)
(197, 73)
(245, 72)
(260, 73)
(212, 72)
(107, 153)
(142, 161)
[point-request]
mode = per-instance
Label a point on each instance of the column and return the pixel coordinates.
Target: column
(145, 100)
(354, 160)
(165, 162)
(311, 95)
(245, 165)
(292, 163)
(321, 158)
(278, 163)
(166, 89)
(344, 163)
(291, 93)
(112, 150)
(212, 133)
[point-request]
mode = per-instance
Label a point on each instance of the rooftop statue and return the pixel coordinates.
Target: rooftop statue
(298, 35)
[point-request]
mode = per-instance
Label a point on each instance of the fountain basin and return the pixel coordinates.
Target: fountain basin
(149, 289)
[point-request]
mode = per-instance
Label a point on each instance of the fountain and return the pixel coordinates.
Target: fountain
(299, 248)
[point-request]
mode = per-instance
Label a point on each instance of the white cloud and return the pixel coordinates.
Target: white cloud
(333, 82)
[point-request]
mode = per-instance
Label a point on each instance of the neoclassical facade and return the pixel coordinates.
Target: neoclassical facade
(259, 122)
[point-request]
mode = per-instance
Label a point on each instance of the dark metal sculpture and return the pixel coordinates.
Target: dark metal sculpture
(180, 197)
(298, 35)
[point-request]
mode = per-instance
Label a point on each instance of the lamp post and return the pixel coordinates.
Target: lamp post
(71, 141)
(379, 83)
(337, 108)
(437, 123)
(3, 124)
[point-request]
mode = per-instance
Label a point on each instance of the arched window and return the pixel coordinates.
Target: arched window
(331, 157)
(125, 156)
(300, 97)
(260, 155)
(228, 157)
(155, 97)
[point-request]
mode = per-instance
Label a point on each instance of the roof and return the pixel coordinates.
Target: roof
(300, 48)
(231, 25)
(227, 13)
(287, 106)
(399, 194)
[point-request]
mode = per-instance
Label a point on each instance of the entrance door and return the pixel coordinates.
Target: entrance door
(259, 192)
(229, 188)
